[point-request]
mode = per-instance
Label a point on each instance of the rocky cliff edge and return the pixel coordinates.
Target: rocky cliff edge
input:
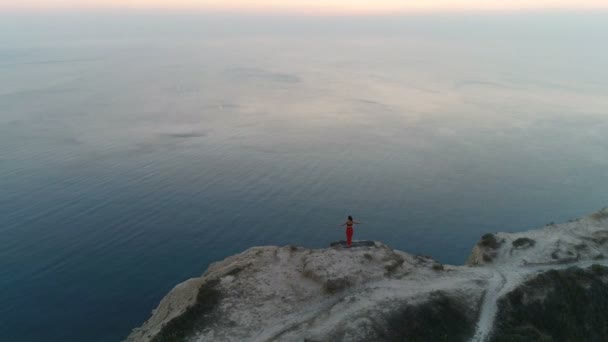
(374, 293)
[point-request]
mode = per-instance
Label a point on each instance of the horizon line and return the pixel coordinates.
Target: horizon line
(303, 13)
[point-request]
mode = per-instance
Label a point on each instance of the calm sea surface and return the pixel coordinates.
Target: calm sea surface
(136, 150)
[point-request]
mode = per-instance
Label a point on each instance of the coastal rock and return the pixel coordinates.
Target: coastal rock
(372, 292)
(484, 251)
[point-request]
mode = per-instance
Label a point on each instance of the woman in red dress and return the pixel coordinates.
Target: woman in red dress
(349, 229)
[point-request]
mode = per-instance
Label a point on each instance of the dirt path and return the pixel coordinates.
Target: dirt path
(489, 306)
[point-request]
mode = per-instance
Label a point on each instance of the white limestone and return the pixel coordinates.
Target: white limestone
(293, 293)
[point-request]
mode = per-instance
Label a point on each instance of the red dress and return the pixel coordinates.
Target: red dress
(349, 235)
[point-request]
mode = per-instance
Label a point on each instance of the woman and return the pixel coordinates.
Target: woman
(349, 229)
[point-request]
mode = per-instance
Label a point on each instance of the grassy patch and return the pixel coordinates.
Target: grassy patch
(523, 243)
(195, 318)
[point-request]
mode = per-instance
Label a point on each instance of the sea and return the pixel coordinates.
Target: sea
(136, 148)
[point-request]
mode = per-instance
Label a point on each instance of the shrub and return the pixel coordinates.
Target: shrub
(558, 305)
(336, 285)
(599, 269)
(523, 242)
(489, 240)
(440, 319)
(438, 267)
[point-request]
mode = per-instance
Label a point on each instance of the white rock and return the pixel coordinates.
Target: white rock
(288, 293)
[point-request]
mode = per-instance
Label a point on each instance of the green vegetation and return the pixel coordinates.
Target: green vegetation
(599, 270)
(567, 305)
(489, 240)
(442, 318)
(195, 318)
(437, 266)
(524, 243)
(336, 285)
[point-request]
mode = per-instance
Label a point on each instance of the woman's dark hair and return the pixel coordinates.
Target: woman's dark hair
(350, 217)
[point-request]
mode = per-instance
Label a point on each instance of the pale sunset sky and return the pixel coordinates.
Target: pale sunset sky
(310, 6)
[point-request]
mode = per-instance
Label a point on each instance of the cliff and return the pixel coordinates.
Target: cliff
(512, 289)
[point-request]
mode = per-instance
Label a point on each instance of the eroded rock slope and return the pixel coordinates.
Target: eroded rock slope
(375, 293)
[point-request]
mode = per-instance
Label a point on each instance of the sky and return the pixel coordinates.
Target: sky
(310, 6)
